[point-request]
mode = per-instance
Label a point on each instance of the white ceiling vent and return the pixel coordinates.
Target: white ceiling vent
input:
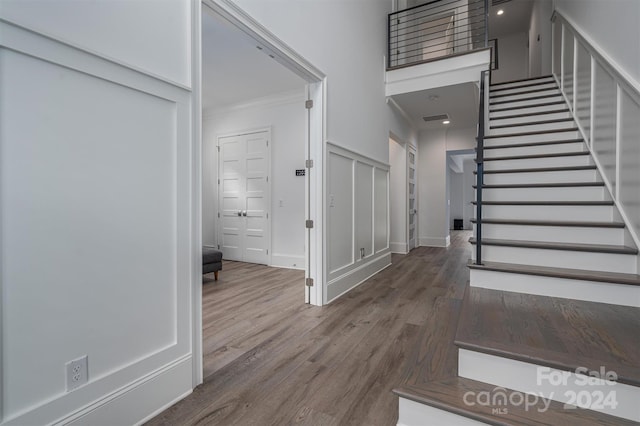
(440, 117)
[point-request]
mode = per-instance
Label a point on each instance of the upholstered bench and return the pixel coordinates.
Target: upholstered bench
(211, 261)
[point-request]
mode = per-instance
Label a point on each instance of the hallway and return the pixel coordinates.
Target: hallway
(289, 363)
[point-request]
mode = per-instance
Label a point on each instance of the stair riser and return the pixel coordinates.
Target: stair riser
(411, 413)
(506, 111)
(542, 177)
(535, 150)
(519, 84)
(533, 128)
(534, 378)
(584, 213)
(497, 96)
(544, 194)
(550, 85)
(590, 291)
(557, 234)
(564, 161)
(543, 137)
(526, 102)
(607, 262)
(529, 119)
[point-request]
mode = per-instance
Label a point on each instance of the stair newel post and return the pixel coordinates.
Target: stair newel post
(480, 168)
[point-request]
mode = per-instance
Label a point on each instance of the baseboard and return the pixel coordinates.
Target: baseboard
(399, 248)
(140, 401)
(435, 241)
(287, 261)
(356, 276)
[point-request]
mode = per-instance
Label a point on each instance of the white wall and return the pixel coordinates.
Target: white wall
(285, 114)
(346, 40)
(513, 58)
(98, 183)
(432, 172)
(540, 38)
(398, 196)
(613, 25)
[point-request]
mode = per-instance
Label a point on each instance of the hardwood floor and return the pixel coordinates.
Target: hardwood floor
(271, 360)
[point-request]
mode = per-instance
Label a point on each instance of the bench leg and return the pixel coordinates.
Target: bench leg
(215, 274)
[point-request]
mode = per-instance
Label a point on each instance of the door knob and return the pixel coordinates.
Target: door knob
(244, 213)
(239, 212)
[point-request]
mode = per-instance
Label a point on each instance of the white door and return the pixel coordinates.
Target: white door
(412, 205)
(244, 197)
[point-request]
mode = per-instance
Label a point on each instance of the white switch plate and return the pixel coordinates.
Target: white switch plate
(77, 373)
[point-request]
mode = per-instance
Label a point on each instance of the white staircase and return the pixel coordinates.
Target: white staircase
(558, 288)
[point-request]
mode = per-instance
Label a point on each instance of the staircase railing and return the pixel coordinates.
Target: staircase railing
(436, 29)
(482, 117)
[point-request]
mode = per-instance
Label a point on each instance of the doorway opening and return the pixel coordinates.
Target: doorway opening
(262, 133)
(460, 194)
(403, 179)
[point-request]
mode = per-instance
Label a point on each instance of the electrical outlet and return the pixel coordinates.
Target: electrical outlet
(77, 373)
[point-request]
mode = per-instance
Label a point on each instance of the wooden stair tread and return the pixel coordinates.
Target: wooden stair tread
(532, 156)
(546, 271)
(527, 144)
(592, 248)
(562, 102)
(524, 92)
(532, 98)
(539, 132)
(521, 80)
(541, 185)
(531, 114)
(559, 333)
(547, 203)
(552, 223)
(540, 169)
(448, 395)
(532, 123)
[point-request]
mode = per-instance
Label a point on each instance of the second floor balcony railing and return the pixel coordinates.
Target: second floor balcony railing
(435, 30)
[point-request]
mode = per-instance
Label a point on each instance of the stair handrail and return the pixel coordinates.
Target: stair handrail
(480, 164)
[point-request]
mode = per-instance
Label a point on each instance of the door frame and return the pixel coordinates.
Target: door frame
(268, 190)
(316, 126)
(410, 148)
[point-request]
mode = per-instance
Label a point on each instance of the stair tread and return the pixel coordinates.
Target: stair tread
(557, 111)
(539, 132)
(532, 156)
(540, 169)
(562, 102)
(532, 98)
(524, 92)
(554, 332)
(547, 203)
(541, 185)
(572, 224)
(448, 395)
(595, 248)
(533, 123)
(522, 80)
(527, 144)
(547, 271)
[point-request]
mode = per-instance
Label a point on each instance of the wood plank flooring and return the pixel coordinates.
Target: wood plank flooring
(271, 360)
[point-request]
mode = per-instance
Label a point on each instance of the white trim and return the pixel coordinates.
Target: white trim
(412, 413)
(338, 149)
(399, 248)
(435, 241)
(287, 261)
(354, 277)
(400, 110)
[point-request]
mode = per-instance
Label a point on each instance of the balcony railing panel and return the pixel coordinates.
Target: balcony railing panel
(436, 29)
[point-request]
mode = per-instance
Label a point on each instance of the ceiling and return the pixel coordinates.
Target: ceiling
(234, 70)
(459, 101)
(515, 19)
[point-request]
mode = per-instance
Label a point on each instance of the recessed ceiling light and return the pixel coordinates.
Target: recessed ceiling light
(259, 47)
(500, 12)
(446, 122)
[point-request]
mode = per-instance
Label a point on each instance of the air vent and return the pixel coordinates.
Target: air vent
(440, 117)
(497, 2)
